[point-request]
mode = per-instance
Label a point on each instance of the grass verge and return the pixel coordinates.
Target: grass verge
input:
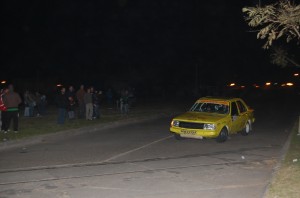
(286, 182)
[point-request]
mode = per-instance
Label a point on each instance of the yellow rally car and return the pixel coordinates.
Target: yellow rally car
(212, 117)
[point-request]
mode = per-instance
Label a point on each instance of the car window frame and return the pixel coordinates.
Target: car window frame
(199, 105)
(241, 106)
(237, 109)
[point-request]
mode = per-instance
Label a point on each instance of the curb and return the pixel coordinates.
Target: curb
(73, 132)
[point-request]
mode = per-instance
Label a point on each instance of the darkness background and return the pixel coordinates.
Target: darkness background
(159, 46)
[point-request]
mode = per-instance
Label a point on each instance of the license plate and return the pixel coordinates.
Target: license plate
(188, 132)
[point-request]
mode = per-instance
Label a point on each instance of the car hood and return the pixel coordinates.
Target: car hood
(200, 117)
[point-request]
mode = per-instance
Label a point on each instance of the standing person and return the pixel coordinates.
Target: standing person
(93, 92)
(12, 100)
(2, 108)
(109, 97)
(62, 103)
(71, 95)
(43, 104)
(71, 108)
(26, 109)
(80, 98)
(96, 101)
(38, 103)
(29, 104)
(88, 100)
(125, 102)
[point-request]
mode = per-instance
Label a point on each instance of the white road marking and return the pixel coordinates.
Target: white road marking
(136, 149)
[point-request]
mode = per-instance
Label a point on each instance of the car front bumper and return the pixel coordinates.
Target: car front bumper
(194, 133)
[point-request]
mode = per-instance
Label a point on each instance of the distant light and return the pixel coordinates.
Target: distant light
(283, 85)
(268, 83)
(275, 83)
(3, 81)
(296, 74)
(232, 84)
(59, 85)
(256, 86)
(289, 84)
(242, 86)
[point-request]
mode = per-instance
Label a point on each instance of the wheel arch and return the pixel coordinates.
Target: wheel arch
(226, 127)
(250, 124)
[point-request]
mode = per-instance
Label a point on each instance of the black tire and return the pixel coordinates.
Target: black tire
(177, 136)
(246, 130)
(223, 136)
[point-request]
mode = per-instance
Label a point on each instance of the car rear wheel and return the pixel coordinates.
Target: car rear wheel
(223, 135)
(246, 130)
(177, 136)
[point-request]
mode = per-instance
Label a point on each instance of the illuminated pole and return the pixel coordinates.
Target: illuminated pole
(296, 75)
(197, 80)
(299, 127)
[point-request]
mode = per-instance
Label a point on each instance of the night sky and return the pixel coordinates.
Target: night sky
(134, 42)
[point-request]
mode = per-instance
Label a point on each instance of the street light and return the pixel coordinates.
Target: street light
(3, 81)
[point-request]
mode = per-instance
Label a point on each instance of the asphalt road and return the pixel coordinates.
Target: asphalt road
(144, 160)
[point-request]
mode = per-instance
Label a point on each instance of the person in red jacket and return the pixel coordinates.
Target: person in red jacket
(2, 108)
(11, 100)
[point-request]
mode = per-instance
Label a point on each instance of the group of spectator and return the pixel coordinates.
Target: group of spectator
(9, 107)
(34, 103)
(83, 103)
(86, 101)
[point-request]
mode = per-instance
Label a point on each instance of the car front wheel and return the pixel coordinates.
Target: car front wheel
(223, 135)
(177, 136)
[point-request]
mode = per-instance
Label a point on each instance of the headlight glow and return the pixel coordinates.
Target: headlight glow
(175, 123)
(209, 127)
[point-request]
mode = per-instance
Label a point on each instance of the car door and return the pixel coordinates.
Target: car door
(243, 113)
(237, 118)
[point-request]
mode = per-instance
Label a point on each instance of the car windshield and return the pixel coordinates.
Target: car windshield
(209, 107)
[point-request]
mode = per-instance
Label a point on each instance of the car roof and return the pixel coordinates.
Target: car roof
(227, 99)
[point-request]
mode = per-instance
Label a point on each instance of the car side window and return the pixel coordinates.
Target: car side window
(241, 106)
(234, 109)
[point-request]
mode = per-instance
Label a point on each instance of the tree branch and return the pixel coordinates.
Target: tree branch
(292, 61)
